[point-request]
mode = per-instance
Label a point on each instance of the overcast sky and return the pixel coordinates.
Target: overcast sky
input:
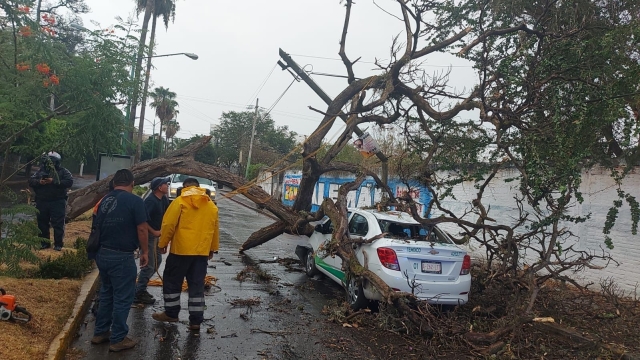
(237, 43)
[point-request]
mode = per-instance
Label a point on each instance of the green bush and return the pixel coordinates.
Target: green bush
(70, 265)
(254, 170)
(139, 190)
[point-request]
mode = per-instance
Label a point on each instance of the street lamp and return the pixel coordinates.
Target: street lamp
(145, 92)
(189, 55)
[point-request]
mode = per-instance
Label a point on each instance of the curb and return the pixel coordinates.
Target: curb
(60, 343)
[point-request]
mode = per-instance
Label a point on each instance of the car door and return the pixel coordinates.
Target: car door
(318, 240)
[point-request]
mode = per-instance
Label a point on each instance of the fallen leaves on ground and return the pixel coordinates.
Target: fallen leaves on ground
(50, 303)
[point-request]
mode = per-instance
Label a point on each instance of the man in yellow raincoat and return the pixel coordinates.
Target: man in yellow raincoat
(190, 224)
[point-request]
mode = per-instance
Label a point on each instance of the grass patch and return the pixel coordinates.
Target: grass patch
(50, 302)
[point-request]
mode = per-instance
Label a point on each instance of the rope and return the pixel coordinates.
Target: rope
(209, 280)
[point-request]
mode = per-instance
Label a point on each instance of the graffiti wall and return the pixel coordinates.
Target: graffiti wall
(366, 195)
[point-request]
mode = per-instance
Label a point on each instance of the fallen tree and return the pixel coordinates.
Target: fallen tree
(547, 103)
(181, 162)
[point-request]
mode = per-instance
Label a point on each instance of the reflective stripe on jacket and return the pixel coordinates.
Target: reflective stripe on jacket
(190, 224)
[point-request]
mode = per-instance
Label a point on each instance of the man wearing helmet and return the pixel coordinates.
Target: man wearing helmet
(51, 183)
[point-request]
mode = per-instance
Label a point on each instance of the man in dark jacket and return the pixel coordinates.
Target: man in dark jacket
(156, 204)
(51, 184)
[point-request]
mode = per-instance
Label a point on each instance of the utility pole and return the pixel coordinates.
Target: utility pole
(303, 75)
(253, 132)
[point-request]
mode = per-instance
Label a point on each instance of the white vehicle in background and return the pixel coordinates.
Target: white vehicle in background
(408, 256)
(176, 183)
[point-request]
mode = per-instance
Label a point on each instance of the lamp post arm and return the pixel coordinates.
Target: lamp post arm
(189, 55)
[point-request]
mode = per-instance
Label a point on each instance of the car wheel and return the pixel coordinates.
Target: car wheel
(310, 264)
(355, 295)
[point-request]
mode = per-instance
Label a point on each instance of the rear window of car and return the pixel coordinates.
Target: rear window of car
(414, 232)
(182, 178)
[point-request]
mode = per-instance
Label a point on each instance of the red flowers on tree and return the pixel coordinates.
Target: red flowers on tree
(49, 19)
(55, 80)
(24, 9)
(25, 31)
(48, 30)
(43, 69)
(22, 67)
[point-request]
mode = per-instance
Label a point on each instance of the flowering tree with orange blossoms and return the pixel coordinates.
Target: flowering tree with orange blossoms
(52, 88)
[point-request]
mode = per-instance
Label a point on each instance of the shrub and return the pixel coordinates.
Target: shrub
(72, 264)
(254, 170)
(139, 190)
(18, 239)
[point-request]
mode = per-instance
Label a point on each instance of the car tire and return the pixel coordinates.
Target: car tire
(310, 264)
(355, 294)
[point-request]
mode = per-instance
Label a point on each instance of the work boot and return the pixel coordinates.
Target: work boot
(144, 297)
(163, 317)
(57, 248)
(102, 338)
(45, 246)
(126, 343)
(194, 329)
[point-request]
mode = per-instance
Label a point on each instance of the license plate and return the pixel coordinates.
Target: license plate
(432, 267)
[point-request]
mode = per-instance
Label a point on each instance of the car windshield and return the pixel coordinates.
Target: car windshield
(182, 178)
(414, 232)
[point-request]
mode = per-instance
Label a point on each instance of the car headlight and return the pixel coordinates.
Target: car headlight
(173, 192)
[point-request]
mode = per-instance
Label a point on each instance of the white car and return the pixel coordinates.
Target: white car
(176, 183)
(409, 256)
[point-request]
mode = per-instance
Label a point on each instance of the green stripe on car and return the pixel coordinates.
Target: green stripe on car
(333, 271)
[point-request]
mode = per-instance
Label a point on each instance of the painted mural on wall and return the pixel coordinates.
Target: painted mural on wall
(366, 195)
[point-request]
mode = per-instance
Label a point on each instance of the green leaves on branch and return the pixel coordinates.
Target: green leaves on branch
(18, 239)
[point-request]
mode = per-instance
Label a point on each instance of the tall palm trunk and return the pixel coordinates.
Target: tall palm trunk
(162, 121)
(143, 40)
(145, 91)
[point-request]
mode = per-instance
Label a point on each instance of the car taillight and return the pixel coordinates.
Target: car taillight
(466, 265)
(388, 258)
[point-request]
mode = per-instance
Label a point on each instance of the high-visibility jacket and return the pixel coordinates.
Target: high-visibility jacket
(190, 224)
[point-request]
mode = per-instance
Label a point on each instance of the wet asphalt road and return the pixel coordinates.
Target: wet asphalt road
(286, 325)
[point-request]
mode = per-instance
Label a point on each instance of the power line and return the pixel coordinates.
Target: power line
(278, 99)
(226, 103)
(328, 58)
(257, 92)
(209, 118)
(370, 62)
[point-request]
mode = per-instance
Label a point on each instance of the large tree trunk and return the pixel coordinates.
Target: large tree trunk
(143, 40)
(145, 91)
(181, 162)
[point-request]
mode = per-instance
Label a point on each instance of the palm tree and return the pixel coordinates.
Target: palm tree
(172, 127)
(163, 100)
(149, 7)
(166, 9)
